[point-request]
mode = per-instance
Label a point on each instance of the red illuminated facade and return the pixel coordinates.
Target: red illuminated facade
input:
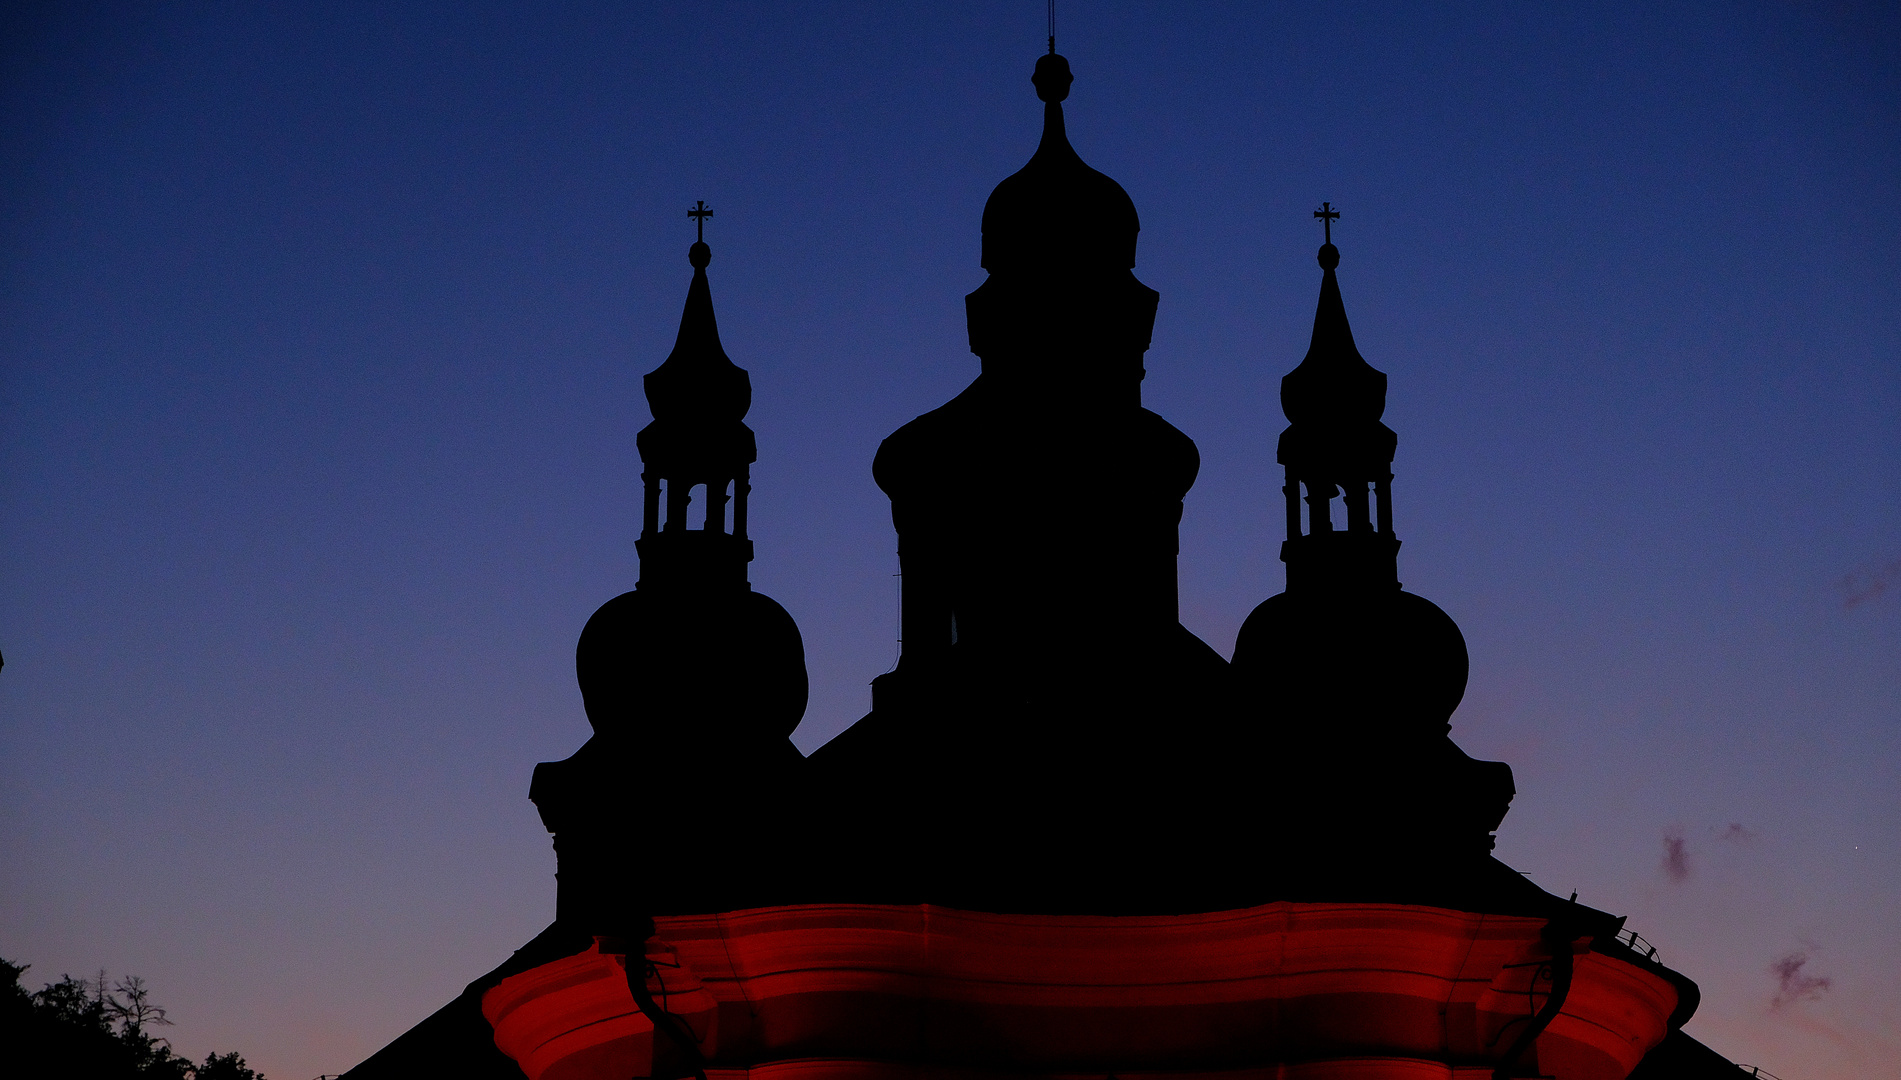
(1070, 840)
(1313, 990)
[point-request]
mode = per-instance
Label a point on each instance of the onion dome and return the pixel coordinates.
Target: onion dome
(1062, 312)
(663, 668)
(1398, 657)
(1057, 211)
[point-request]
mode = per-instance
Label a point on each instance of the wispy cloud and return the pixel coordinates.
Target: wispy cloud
(1793, 984)
(1676, 855)
(1865, 583)
(1736, 833)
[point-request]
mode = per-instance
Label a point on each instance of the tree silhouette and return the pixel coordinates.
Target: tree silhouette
(95, 1028)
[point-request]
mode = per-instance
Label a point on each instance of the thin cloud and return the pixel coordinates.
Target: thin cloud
(1868, 582)
(1737, 834)
(1793, 984)
(1676, 855)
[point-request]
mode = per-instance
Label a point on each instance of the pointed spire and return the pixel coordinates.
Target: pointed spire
(698, 381)
(697, 442)
(1334, 384)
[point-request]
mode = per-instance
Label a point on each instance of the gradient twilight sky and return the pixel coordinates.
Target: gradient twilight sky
(321, 336)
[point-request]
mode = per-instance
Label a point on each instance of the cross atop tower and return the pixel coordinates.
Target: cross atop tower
(700, 213)
(1327, 215)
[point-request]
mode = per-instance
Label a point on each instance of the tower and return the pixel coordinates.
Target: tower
(698, 441)
(1041, 504)
(1044, 667)
(1356, 678)
(1336, 444)
(691, 678)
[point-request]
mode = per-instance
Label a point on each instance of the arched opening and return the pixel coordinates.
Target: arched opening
(697, 518)
(678, 497)
(1319, 507)
(716, 498)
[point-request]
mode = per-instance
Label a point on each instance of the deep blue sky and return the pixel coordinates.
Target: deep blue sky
(321, 332)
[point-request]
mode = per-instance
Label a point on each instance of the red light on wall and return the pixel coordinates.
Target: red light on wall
(1278, 992)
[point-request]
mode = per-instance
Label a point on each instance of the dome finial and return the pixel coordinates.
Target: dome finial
(699, 254)
(1052, 27)
(1052, 78)
(1329, 255)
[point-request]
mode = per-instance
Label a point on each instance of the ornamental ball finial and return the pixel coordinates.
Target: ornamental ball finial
(1052, 77)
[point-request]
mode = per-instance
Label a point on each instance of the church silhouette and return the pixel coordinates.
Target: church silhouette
(1070, 839)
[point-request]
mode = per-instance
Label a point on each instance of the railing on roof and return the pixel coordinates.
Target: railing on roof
(1645, 949)
(1759, 1071)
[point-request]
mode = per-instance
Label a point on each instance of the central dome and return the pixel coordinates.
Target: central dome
(1056, 211)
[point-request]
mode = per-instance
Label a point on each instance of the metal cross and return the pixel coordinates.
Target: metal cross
(700, 213)
(1327, 215)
